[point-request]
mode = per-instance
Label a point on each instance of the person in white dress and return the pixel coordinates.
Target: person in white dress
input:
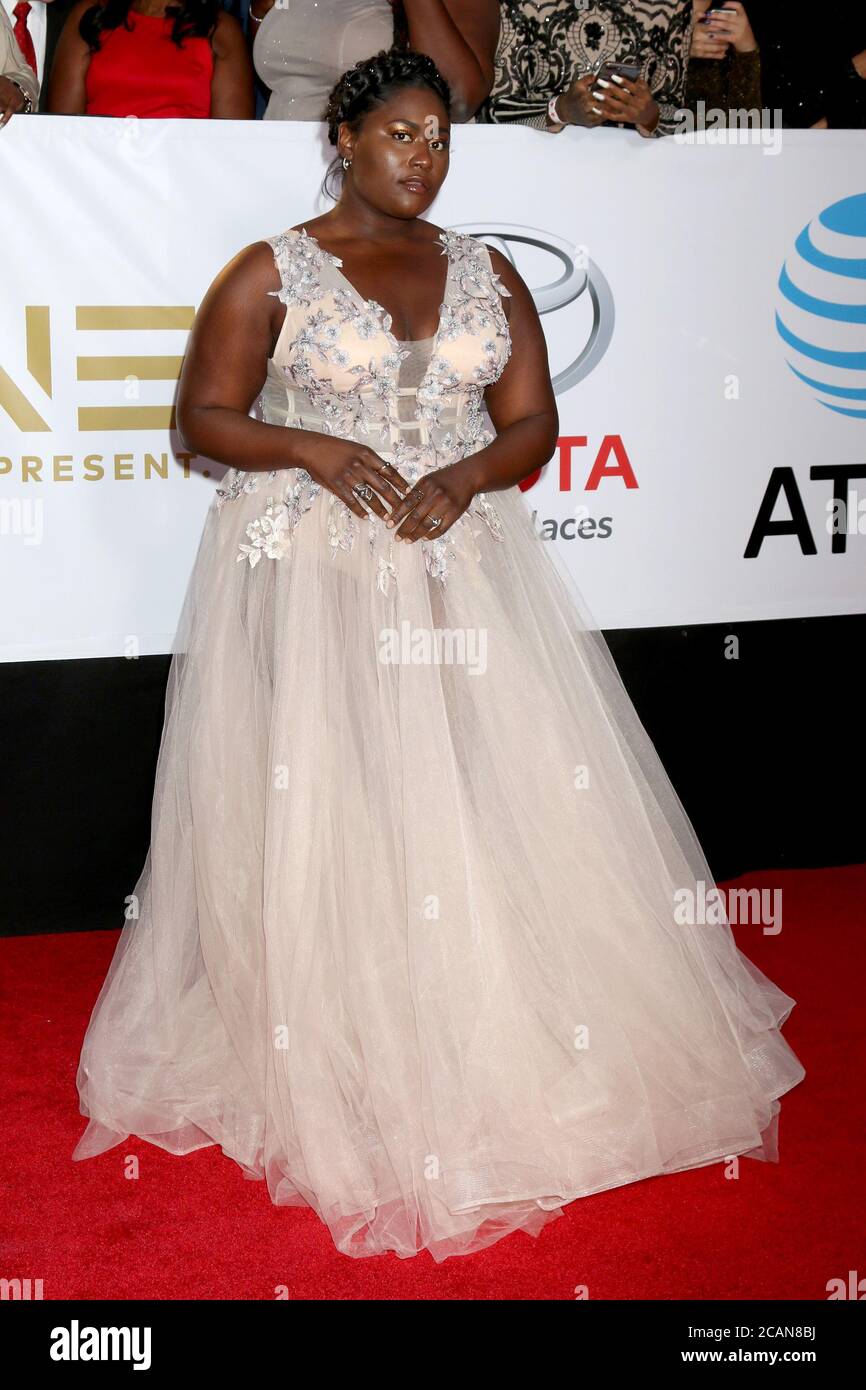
(408, 943)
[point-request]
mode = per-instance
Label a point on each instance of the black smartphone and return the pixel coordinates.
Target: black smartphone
(630, 71)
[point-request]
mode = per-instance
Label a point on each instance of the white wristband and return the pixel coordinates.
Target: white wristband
(552, 114)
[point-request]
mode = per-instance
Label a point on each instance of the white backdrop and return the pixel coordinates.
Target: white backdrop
(693, 401)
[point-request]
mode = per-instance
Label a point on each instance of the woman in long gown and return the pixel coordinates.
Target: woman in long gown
(408, 939)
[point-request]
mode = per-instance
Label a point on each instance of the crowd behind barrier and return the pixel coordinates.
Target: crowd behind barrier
(654, 68)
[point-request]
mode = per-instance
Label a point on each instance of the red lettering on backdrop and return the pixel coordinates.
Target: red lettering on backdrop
(611, 444)
(566, 443)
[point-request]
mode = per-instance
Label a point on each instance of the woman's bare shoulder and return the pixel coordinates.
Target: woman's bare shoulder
(247, 278)
(256, 263)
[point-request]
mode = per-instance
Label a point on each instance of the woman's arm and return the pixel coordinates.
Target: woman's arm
(66, 86)
(521, 404)
(461, 37)
(232, 97)
(226, 363)
(724, 61)
(258, 10)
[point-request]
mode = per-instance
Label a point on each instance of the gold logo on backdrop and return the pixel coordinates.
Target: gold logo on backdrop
(112, 367)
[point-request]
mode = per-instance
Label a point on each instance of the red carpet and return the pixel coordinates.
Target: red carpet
(196, 1228)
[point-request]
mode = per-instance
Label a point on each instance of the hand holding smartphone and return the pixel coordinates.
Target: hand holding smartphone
(729, 25)
(715, 30)
(630, 71)
(622, 95)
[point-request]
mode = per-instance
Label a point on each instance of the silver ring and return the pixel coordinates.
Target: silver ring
(434, 521)
(363, 490)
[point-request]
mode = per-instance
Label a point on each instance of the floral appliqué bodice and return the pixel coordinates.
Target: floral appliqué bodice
(337, 369)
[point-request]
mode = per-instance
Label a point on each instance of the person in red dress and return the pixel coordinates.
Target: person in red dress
(151, 58)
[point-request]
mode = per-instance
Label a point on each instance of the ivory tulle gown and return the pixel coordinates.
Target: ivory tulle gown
(406, 941)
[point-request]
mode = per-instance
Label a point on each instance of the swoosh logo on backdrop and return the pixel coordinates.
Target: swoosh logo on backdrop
(579, 278)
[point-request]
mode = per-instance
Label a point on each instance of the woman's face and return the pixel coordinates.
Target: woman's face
(405, 139)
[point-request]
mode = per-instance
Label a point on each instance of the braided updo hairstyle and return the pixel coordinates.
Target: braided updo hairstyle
(369, 84)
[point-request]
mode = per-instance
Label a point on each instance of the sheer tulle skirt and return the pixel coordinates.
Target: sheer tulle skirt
(406, 942)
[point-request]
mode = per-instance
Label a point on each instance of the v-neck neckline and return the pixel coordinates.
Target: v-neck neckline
(379, 309)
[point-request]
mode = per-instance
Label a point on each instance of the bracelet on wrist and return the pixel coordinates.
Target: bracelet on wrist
(28, 100)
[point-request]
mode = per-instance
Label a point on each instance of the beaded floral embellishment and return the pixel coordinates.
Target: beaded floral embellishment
(471, 305)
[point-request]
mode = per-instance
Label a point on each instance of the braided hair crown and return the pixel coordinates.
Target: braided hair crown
(372, 82)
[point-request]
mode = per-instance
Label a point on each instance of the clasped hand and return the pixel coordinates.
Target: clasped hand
(359, 477)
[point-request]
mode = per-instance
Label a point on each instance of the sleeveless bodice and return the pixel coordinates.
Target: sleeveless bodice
(336, 366)
(337, 369)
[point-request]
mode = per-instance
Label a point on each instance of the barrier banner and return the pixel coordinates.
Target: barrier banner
(704, 307)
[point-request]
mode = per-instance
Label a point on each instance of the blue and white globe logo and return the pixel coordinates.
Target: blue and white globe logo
(822, 311)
